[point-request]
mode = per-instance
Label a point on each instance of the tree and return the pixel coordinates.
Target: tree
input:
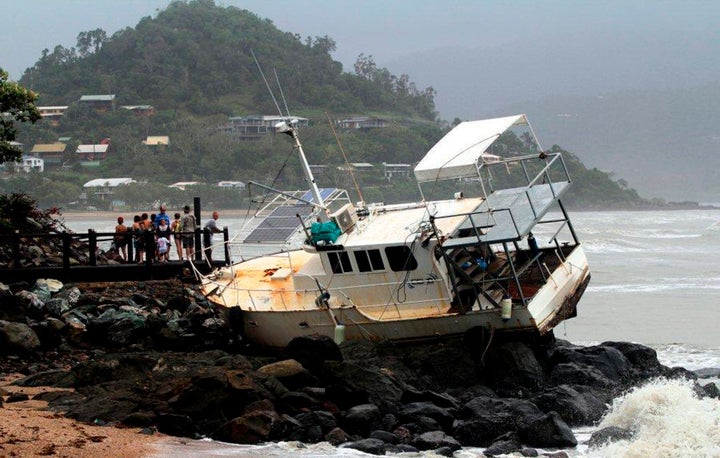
(17, 104)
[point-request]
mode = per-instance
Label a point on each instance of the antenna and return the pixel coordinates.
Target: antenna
(267, 85)
(287, 110)
(288, 126)
(347, 164)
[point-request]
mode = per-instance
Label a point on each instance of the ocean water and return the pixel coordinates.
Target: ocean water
(655, 281)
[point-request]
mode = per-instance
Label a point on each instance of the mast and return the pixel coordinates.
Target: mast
(289, 128)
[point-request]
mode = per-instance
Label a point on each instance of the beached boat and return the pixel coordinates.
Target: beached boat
(507, 260)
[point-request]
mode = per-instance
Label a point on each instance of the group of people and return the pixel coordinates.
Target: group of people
(180, 232)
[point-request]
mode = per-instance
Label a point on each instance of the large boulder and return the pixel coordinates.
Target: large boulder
(354, 380)
(312, 350)
(577, 405)
(608, 435)
(580, 374)
(414, 411)
(483, 419)
(361, 419)
(548, 430)
(17, 338)
(290, 373)
(432, 440)
(610, 361)
(251, 428)
(513, 370)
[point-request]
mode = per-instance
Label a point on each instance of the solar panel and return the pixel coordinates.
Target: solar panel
(324, 194)
(279, 225)
(282, 222)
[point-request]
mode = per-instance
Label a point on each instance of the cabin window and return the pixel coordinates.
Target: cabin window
(339, 262)
(400, 258)
(369, 260)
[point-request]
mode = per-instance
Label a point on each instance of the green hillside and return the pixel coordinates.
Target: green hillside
(194, 64)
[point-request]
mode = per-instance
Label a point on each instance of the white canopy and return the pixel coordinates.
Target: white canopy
(457, 153)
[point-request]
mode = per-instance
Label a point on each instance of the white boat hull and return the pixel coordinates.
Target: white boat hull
(555, 301)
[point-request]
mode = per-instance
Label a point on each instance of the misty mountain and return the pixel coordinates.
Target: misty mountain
(640, 107)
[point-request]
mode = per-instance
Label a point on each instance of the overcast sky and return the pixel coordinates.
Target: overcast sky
(385, 29)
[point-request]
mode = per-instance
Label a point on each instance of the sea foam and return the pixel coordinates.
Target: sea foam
(667, 419)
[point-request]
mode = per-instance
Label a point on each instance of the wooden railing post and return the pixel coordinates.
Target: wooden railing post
(198, 245)
(92, 242)
(226, 239)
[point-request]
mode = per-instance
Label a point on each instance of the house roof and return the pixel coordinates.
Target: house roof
(98, 98)
(157, 140)
(56, 147)
(183, 184)
(85, 149)
(107, 182)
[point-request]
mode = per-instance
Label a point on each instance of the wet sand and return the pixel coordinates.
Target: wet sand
(28, 428)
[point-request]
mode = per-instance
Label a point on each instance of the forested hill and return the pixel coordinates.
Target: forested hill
(196, 56)
(194, 64)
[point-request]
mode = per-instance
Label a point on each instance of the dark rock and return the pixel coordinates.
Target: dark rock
(399, 448)
(465, 395)
(372, 446)
(311, 351)
(528, 452)
(57, 377)
(57, 306)
(679, 373)
(345, 396)
(361, 419)
(644, 359)
(337, 436)
(313, 434)
(251, 428)
(380, 386)
(49, 332)
(439, 399)
(422, 424)
(12, 308)
(325, 420)
(483, 419)
(176, 425)
(503, 447)
(295, 402)
(444, 451)
(580, 374)
(710, 390)
(140, 419)
(111, 403)
(389, 422)
(287, 428)
(608, 360)
(17, 397)
(17, 339)
(387, 437)
(512, 369)
(411, 412)
(548, 430)
(559, 454)
(577, 405)
(609, 434)
(290, 373)
(433, 440)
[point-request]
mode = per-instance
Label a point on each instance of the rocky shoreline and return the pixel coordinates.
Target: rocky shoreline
(158, 355)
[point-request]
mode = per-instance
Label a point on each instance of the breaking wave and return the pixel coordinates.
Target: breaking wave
(667, 420)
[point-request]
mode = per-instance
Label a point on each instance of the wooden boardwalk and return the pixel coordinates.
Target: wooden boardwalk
(94, 269)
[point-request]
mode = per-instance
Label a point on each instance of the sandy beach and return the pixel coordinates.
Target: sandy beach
(28, 428)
